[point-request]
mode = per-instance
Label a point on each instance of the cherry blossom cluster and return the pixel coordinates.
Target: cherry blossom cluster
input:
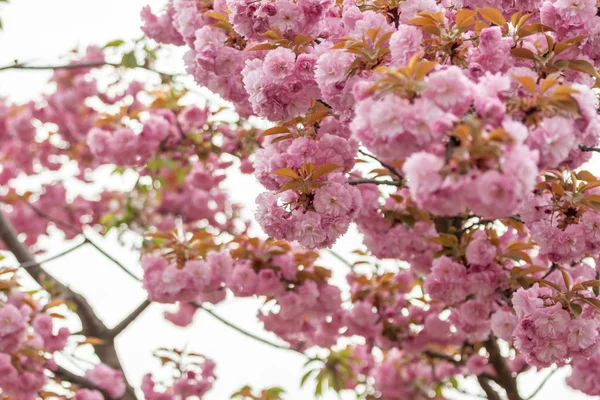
(191, 379)
(28, 338)
(310, 201)
(480, 222)
(547, 334)
(584, 371)
(306, 310)
(562, 217)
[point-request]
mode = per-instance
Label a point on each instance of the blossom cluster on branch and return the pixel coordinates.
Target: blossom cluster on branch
(453, 134)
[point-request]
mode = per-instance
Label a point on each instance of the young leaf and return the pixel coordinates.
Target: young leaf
(324, 169)
(494, 16)
(286, 172)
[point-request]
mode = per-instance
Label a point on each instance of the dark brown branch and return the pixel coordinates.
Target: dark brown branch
(442, 356)
(91, 325)
(355, 182)
(589, 148)
(65, 375)
(384, 164)
(121, 326)
(488, 389)
(504, 375)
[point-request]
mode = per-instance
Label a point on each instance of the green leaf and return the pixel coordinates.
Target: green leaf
(114, 43)
(576, 309)
(129, 60)
(150, 53)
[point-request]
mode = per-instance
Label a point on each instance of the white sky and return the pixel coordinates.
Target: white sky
(39, 31)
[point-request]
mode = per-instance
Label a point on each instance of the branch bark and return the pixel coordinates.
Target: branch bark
(503, 373)
(91, 325)
(114, 332)
(355, 182)
(488, 389)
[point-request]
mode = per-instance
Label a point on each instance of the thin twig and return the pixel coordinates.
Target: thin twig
(589, 148)
(76, 231)
(245, 332)
(92, 64)
(386, 165)
(54, 257)
(466, 393)
(441, 356)
(121, 326)
(539, 388)
(339, 257)
(111, 258)
(355, 182)
(553, 268)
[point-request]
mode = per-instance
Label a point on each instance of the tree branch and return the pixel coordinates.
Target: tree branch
(339, 257)
(67, 376)
(245, 332)
(442, 356)
(589, 148)
(539, 388)
(384, 164)
(91, 64)
(91, 325)
(121, 326)
(86, 238)
(54, 257)
(488, 389)
(503, 373)
(355, 182)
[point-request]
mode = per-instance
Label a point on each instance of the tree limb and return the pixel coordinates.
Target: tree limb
(76, 231)
(90, 323)
(91, 64)
(355, 182)
(539, 388)
(488, 389)
(121, 326)
(503, 373)
(245, 332)
(54, 257)
(384, 164)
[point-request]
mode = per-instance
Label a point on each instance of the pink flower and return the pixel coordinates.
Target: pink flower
(404, 43)
(448, 88)
(308, 229)
(333, 199)
(576, 12)
(480, 251)
(87, 394)
(13, 328)
(552, 321)
(183, 316)
(161, 28)
(582, 333)
(108, 379)
(527, 301)
(243, 281)
(280, 63)
(503, 324)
